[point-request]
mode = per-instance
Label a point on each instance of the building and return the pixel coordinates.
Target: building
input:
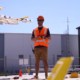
(14, 46)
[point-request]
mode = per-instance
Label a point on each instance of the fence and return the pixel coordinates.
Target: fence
(13, 65)
(51, 63)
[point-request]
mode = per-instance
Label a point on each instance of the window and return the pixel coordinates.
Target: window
(21, 56)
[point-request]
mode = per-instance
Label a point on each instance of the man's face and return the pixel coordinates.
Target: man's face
(40, 22)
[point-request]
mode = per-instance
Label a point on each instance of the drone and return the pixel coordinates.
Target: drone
(13, 21)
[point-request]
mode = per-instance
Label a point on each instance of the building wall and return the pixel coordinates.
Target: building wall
(63, 45)
(74, 48)
(55, 46)
(1, 52)
(20, 44)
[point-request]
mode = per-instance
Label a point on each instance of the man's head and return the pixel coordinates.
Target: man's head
(40, 20)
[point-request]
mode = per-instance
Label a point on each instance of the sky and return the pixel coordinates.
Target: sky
(55, 13)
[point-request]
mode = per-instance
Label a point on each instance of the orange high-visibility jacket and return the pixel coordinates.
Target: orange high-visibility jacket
(41, 41)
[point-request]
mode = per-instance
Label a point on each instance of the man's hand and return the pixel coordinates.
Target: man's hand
(48, 38)
(43, 37)
(35, 38)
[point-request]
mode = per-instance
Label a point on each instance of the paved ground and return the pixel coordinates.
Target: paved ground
(26, 77)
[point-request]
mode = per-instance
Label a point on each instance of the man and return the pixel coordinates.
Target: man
(41, 37)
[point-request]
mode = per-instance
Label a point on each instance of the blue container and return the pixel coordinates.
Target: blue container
(30, 73)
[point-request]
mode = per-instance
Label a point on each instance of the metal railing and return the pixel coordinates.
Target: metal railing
(11, 65)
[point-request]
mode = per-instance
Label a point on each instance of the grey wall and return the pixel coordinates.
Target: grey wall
(20, 44)
(54, 46)
(74, 48)
(1, 52)
(15, 45)
(64, 45)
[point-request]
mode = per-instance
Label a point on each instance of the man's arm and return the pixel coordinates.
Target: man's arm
(48, 37)
(33, 38)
